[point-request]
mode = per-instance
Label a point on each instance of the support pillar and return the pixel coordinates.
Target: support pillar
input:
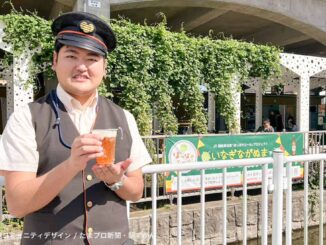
(258, 105)
(211, 112)
(303, 102)
(100, 8)
(277, 217)
(18, 93)
(305, 67)
(237, 102)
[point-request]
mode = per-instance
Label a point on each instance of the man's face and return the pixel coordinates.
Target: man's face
(79, 71)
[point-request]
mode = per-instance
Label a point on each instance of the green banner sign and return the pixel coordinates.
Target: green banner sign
(183, 149)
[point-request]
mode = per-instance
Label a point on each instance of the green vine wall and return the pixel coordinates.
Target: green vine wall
(155, 72)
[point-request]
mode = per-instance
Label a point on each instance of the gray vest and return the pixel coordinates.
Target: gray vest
(63, 220)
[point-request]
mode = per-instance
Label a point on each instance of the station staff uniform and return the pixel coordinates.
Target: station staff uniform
(86, 211)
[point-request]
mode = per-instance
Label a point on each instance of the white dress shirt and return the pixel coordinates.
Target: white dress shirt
(18, 147)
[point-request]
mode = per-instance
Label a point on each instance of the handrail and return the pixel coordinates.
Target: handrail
(315, 142)
(304, 158)
(278, 183)
(160, 136)
(221, 164)
(279, 162)
(157, 168)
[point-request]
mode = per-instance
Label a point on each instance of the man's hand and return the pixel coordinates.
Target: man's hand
(26, 192)
(113, 173)
(133, 184)
(84, 148)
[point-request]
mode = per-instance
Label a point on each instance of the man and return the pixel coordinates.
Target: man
(64, 197)
(291, 124)
(266, 127)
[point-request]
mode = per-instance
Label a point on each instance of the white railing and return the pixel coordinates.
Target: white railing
(278, 182)
(278, 187)
(161, 168)
(315, 143)
(306, 159)
(2, 182)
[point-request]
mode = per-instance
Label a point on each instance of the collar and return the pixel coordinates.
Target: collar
(71, 103)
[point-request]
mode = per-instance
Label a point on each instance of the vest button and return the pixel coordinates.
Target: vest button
(90, 230)
(89, 204)
(89, 177)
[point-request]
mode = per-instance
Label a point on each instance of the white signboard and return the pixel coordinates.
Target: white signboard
(94, 3)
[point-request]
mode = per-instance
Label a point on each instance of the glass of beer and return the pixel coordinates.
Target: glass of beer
(108, 144)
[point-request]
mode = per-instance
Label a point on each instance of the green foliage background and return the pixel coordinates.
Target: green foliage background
(155, 72)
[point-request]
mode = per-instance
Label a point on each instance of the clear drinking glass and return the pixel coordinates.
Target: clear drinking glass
(108, 144)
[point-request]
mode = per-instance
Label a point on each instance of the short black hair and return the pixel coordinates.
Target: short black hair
(57, 46)
(266, 120)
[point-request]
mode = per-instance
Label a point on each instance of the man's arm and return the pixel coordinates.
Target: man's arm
(133, 184)
(26, 193)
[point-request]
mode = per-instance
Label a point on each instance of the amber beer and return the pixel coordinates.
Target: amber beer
(108, 144)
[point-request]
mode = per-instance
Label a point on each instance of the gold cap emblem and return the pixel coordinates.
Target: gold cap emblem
(87, 27)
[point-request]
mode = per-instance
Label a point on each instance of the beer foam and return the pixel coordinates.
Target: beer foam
(111, 133)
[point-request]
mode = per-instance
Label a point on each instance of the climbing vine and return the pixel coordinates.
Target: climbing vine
(156, 73)
(29, 35)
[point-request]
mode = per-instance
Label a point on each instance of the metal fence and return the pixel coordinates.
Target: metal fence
(279, 179)
(314, 143)
(155, 187)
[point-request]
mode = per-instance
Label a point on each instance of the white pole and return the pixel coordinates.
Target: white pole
(179, 205)
(224, 208)
(321, 206)
(264, 232)
(202, 207)
(244, 207)
(289, 204)
(154, 195)
(277, 197)
(2, 182)
(305, 201)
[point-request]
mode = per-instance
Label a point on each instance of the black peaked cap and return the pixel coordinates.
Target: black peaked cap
(84, 30)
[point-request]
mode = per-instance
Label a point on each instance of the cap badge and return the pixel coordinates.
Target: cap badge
(86, 27)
